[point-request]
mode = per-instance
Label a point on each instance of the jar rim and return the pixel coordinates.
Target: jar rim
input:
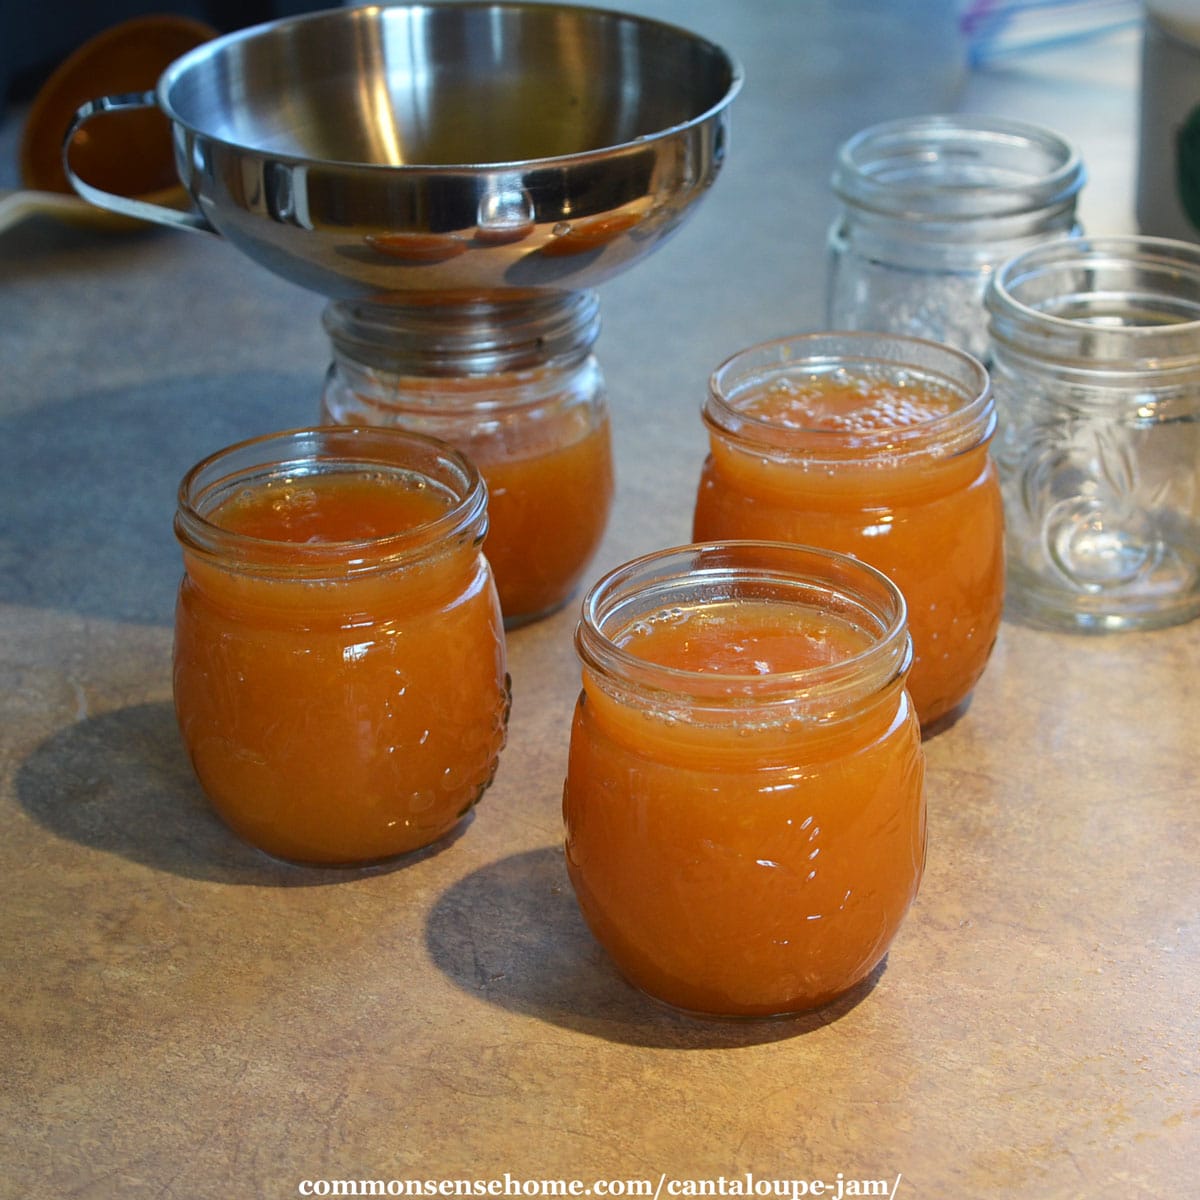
(962, 427)
(920, 168)
(1162, 275)
(324, 449)
(711, 571)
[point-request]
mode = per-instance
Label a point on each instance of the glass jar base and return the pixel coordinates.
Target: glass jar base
(820, 1010)
(381, 862)
(946, 719)
(1029, 600)
(520, 620)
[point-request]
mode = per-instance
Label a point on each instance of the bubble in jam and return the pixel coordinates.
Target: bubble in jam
(859, 399)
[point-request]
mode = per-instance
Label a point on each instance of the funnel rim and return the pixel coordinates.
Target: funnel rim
(733, 85)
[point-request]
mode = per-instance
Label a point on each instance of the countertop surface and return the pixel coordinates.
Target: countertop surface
(180, 1017)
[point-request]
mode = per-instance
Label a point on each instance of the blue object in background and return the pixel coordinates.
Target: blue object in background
(997, 28)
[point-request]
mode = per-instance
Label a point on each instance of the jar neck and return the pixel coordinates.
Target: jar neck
(299, 454)
(534, 331)
(953, 171)
(898, 359)
(964, 190)
(712, 573)
(1094, 310)
(452, 407)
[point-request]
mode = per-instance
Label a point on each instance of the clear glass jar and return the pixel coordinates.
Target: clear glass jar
(339, 663)
(874, 445)
(930, 207)
(1096, 369)
(744, 803)
(515, 387)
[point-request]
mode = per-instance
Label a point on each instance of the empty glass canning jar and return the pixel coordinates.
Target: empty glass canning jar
(874, 445)
(339, 655)
(930, 207)
(1096, 369)
(516, 388)
(745, 800)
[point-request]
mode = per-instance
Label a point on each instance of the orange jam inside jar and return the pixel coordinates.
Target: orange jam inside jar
(339, 665)
(514, 386)
(744, 802)
(875, 446)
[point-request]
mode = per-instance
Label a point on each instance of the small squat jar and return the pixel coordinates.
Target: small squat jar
(1096, 368)
(339, 663)
(875, 446)
(930, 207)
(744, 802)
(516, 388)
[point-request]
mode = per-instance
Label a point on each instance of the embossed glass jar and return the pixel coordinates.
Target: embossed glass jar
(339, 663)
(745, 798)
(874, 445)
(930, 207)
(1096, 370)
(515, 387)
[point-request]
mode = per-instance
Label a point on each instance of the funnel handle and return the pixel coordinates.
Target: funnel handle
(125, 206)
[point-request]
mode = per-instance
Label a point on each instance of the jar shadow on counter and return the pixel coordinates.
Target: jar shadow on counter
(511, 933)
(121, 783)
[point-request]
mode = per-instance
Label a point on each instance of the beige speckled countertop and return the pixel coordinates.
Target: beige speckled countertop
(180, 1017)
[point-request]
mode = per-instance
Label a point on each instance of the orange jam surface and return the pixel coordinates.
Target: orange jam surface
(547, 512)
(743, 863)
(743, 638)
(348, 718)
(332, 507)
(932, 522)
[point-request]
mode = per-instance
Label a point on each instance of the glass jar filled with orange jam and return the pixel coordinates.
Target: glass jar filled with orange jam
(877, 446)
(513, 385)
(744, 803)
(339, 663)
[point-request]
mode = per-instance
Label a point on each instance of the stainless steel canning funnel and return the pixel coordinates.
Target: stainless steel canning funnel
(449, 148)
